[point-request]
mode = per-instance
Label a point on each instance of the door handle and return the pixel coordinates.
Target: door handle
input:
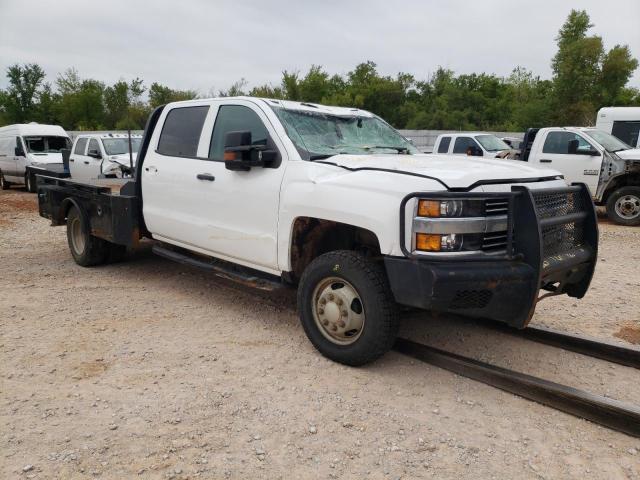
(151, 169)
(71, 160)
(545, 160)
(86, 163)
(205, 176)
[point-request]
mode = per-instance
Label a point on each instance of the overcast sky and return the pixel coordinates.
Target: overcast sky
(207, 45)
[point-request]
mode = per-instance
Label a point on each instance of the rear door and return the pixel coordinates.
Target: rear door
(175, 204)
(576, 167)
(443, 145)
(77, 167)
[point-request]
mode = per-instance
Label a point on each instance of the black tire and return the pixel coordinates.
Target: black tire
(4, 185)
(29, 183)
(369, 279)
(630, 198)
(90, 250)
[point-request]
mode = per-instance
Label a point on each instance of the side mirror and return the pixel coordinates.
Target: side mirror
(94, 154)
(18, 152)
(240, 154)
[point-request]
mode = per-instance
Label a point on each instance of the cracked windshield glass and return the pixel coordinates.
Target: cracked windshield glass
(319, 135)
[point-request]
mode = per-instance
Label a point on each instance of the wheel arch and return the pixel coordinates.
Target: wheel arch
(312, 236)
(626, 180)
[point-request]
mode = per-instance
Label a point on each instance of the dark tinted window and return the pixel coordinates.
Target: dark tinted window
(444, 145)
(93, 145)
(181, 131)
(558, 143)
(80, 144)
(233, 118)
(627, 132)
(462, 143)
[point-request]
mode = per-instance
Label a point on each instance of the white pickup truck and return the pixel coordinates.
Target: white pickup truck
(608, 166)
(336, 202)
(96, 155)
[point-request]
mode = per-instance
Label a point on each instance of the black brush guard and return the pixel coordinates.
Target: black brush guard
(551, 247)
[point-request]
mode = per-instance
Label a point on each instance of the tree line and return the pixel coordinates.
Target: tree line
(585, 78)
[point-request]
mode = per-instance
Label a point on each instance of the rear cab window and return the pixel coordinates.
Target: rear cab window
(444, 144)
(79, 149)
(181, 131)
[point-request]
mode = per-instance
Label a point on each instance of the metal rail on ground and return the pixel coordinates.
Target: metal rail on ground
(610, 413)
(608, 351)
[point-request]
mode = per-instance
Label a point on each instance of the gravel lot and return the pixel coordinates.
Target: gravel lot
(149, 369)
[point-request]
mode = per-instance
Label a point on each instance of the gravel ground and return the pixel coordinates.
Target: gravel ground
(149, 369)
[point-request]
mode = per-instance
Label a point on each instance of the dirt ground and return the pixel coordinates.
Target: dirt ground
(150, 369)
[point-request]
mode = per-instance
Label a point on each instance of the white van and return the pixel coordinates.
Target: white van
(621, 122)
(476, 144)
(99, 155)
(22, 145)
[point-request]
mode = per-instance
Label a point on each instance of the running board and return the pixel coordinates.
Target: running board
(226, 270)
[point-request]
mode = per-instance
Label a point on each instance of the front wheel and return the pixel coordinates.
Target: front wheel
(623, 206)
(29, 182)
(86, 249)
(346, 307)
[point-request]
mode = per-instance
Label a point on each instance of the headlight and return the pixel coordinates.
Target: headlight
(459, 224)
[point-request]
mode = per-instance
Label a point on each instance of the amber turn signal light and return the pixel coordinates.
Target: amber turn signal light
(229, 156)
(429, 208)
(428, 242)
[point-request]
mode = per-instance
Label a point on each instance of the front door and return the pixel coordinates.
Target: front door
(576, 167)
(244, 205)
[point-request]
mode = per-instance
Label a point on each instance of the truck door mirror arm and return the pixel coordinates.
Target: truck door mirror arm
(94, 154)
(240, 154)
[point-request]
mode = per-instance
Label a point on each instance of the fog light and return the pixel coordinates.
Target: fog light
(428, 243)
(438, 243)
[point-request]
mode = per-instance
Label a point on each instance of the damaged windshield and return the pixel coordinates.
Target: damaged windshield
(120, 146)
(319, 135)
(491, 143)
(46, 144)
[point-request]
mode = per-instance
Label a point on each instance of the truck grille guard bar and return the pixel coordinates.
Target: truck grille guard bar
(554, 231)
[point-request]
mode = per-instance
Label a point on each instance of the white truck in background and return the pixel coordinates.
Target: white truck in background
(104, 155)
(474, 144)
(25, 148)
(607, 165)
(621, 122)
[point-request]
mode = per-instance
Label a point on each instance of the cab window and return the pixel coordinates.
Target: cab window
(444, 145)
(462, 143)
(181, 131)
(558, 143)
(80, 146)
(233, 118)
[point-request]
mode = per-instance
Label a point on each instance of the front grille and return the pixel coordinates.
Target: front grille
(559, 240)
(494, 242)
(496, 206)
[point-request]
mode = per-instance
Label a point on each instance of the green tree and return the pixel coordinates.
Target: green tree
(161, 95)
(584, 76)
(20, 98)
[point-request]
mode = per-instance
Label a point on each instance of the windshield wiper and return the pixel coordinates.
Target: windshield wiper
(391, 147)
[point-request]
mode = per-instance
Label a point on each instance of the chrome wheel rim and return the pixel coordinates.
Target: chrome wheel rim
(628, 207)
(77, 236)
(338, 311)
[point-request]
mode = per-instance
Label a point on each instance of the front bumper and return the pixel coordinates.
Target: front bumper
(553, 247)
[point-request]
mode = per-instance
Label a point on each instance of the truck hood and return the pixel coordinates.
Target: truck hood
(453, 171)
(631, 154)
(124, 158)
(45, 157)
